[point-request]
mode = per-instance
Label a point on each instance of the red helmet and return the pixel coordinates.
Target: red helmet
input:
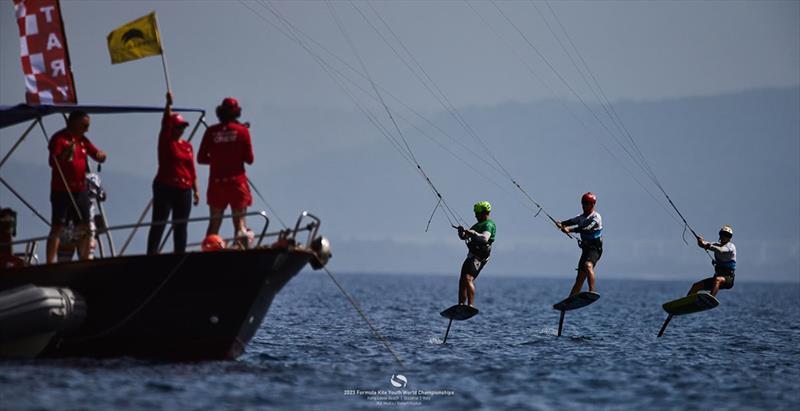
(589, 198)
(177, 120)
(212, 242)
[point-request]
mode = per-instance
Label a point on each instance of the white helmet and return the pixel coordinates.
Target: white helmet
(727, 230)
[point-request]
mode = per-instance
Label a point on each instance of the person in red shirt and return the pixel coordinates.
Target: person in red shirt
(175, 184)
(226, 148)
(69, 194)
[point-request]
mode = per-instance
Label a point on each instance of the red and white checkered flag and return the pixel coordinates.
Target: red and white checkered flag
(43, 49)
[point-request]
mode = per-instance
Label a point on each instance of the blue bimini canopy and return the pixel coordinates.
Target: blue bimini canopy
(11, 115)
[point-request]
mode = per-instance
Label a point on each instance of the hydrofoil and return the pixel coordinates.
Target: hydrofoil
(692, 303)
(574, 302)
(458, 312)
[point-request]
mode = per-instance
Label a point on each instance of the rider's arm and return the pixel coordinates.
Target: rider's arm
(571, 222)
(589, 225)
(724, 249)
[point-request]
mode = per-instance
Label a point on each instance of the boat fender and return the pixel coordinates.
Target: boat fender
(322, 252)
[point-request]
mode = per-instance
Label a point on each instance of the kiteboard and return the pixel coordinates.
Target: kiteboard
(574, 302)
(692, 303)
(458, 312)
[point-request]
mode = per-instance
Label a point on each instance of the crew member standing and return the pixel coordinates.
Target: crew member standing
(175, 184)
(69, 195)
(226, 148)
(590, 226)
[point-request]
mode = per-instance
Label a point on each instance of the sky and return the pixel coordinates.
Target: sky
(310, 139)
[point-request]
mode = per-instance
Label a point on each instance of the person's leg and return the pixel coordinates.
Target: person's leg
(84, 240)
(590, 275)
(181, 209)
(215, 221)
(216, 206)
(704, 284)
(83, 228)
(462, 282)
(240, 199)
(582, 274)
(161, 210)
(717, 283)
(695, 288)
(470, 289)
(53, 242)
(238, 219)
(462, 290)
(58, 219)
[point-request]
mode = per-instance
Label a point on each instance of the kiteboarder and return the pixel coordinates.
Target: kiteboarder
(226, 148)
(590, 227)
(69, 193)
(175, 184)
(479, 239)
(724, 263)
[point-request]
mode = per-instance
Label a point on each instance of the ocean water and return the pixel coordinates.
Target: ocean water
(314, 352)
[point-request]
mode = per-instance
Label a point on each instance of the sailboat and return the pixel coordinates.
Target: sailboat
(200, 305)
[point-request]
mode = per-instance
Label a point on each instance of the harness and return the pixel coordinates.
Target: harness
(481, 251)
(727, 268)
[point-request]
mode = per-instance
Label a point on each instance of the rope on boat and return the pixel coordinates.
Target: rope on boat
(355, 305)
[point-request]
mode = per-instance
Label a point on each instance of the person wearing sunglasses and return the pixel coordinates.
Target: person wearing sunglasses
(724, 263)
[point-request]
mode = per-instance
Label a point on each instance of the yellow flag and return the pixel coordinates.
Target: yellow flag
(135, 40)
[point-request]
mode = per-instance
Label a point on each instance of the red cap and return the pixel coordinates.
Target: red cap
(589, 198)
(178, 120)
(230, 102)
(230, 105)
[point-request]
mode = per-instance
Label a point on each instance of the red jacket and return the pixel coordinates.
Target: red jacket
(175, 158)
(226, 148)
(73, 165)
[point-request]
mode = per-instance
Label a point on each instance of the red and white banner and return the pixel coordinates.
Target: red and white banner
(43, 48)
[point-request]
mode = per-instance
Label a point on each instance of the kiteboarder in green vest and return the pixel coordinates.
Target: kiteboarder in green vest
(479, 239)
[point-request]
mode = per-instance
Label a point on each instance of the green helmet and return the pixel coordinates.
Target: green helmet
(482, 207)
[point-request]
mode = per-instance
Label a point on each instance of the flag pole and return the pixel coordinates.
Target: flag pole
(163, 54)
(164, 64)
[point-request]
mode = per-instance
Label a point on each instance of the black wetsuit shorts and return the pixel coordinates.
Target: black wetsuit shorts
(473, 266)
(590, 251)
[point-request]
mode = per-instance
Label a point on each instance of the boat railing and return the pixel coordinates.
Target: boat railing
(31, 244)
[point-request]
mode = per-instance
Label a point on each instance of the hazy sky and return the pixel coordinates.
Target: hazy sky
(639, 51)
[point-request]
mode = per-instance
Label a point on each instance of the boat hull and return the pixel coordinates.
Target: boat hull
(193, 306)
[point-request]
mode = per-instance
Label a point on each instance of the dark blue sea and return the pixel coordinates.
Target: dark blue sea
(314, 352)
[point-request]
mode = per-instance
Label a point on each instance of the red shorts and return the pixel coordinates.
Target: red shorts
(232, 192)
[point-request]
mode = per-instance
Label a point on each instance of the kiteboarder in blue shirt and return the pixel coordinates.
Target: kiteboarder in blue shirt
(590, 226)
(724, 263)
